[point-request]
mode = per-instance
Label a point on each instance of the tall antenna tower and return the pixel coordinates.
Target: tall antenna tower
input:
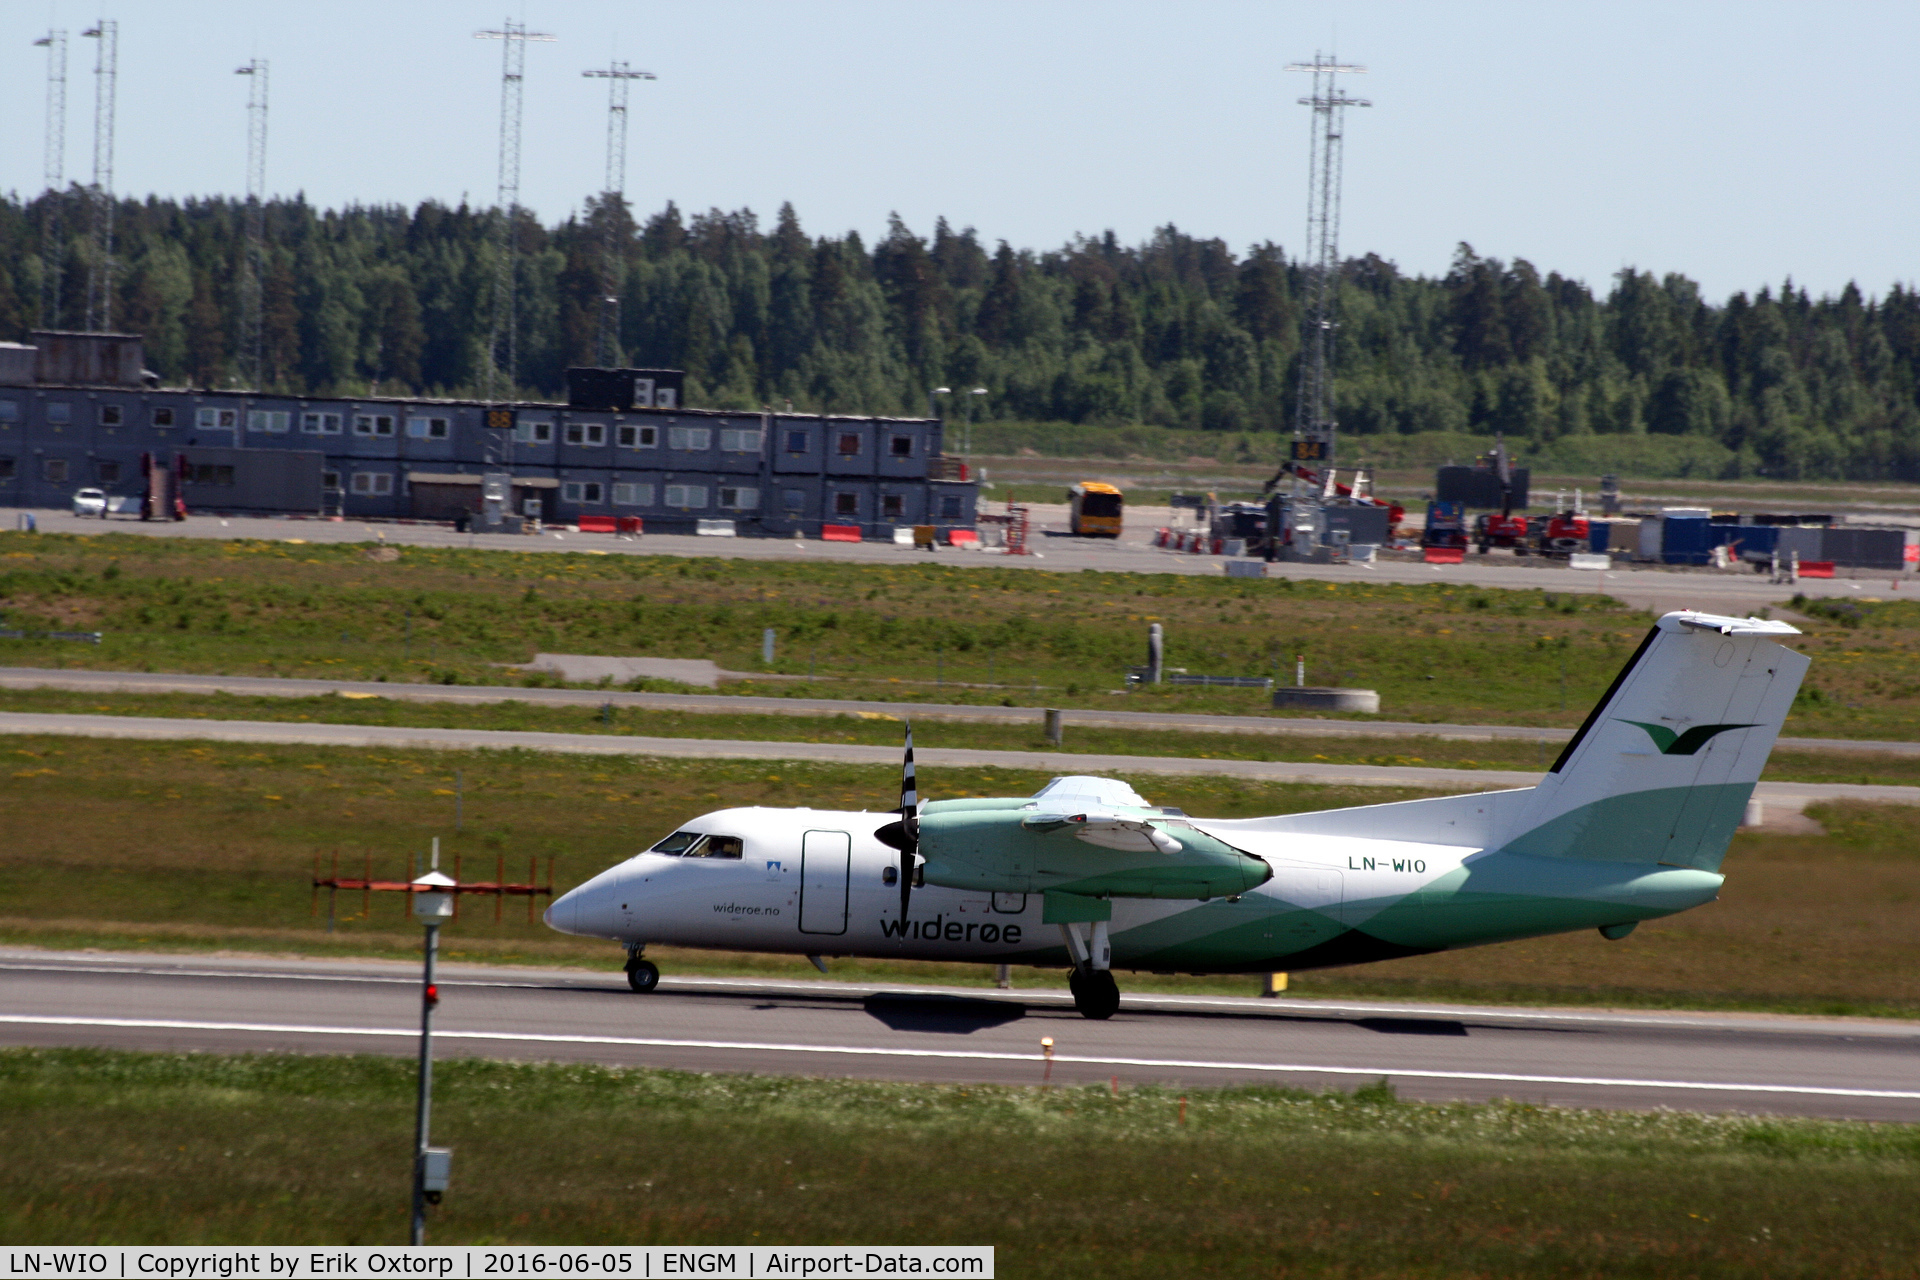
(52, 250)
(613, 195)
(513, 37)
(254, 270)
(1314, 422)
(106, 72)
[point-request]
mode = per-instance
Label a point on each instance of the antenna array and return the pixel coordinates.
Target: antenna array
(253, 273)
(617, 76)
(1314, 421)
(513, 37)
(52, 249)
(106, 71)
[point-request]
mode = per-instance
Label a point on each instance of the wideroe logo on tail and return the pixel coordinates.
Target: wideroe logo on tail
(1683, 744)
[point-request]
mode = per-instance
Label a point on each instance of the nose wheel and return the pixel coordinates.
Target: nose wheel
(1095, 994)
(642, 975)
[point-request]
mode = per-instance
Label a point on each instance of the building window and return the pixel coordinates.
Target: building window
(639, 437)
(949, 506)
(372, 424)
(107, 472)
(903, 446)
(272, 421)
(163, 416)
(6, 468)
(110, 415)
(796, 499)
(892, 506)
(846, 504)
(580, 491)
(587, 433)
(533, 431)
(59, 411)
(738, 499)
(690, 438)
(378, 483)
(53, 470)
(330, 481)
(429, 428)
(740, 441)
(320, 424)
(796, 442)
(849, 444)
(217, 419)
(686, 495)
(633, 495)
(210, 473)
(10, 411)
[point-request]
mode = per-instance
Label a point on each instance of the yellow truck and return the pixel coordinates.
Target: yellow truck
(1096, 509)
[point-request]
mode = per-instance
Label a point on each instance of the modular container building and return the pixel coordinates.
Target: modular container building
(387, 457)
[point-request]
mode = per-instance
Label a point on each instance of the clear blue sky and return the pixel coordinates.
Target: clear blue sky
(1738, 143)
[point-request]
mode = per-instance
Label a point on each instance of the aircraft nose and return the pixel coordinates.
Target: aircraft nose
(564, 915)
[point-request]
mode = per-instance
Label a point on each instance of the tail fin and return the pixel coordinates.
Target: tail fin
(1662, 769)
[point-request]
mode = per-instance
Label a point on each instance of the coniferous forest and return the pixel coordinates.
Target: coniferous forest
(1179, 331)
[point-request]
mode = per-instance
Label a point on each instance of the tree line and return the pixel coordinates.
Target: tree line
(1179, 331)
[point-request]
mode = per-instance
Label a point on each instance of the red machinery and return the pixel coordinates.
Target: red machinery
(1566, 532)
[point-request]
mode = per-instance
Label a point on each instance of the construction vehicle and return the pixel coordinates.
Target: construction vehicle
(1095, 510)
(1564, 533)
(1446, 525)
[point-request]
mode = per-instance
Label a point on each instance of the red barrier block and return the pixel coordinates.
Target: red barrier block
(629, 524)
(1446, 555)
(1816, 568)
(962, 537)
(599, 524)
(839, 533)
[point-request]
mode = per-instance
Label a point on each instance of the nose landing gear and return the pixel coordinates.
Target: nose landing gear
(642, 975)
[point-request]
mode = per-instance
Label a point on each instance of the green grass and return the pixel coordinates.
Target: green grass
(191, 1149)
(880, 729)
(1436, 652)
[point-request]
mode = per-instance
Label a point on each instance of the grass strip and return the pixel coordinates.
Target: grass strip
(185, 1149)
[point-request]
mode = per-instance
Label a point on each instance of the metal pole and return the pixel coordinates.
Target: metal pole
(428, 998)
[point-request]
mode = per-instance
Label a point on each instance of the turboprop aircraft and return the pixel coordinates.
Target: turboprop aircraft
(1630, 824)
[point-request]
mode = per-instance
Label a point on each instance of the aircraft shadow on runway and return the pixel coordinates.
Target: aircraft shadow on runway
(945, 1015)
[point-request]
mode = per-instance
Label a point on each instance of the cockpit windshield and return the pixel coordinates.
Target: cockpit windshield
(697, 844)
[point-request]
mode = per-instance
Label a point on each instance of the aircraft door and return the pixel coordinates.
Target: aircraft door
(825, 863)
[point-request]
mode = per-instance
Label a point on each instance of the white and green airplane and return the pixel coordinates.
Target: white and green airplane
(1630, 824)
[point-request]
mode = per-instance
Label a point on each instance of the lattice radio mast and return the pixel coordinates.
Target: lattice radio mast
(254, 270)
(513, 37)
(613, 196)
(1314, 422)
(106, 72)
(53, 255)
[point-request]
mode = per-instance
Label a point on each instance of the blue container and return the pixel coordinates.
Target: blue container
(1599, 534)
(1687, 540)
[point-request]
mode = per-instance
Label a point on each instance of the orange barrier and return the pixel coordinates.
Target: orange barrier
(1446, 555)
(962, 538)
(839, 533)
(1816, 568)
(628, 524)
(599, 524)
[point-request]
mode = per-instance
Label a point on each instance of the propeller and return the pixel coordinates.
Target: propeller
(909, 825)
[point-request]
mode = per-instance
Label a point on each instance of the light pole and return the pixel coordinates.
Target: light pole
(937, 391)
(432, 903)
(967, 448)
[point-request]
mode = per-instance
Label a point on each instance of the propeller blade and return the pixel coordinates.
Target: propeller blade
(909, 824)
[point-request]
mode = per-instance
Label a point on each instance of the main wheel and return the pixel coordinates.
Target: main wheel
(643, 976)
(1095, 994)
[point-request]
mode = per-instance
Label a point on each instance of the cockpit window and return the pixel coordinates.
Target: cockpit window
(717, 847)
(696, 844)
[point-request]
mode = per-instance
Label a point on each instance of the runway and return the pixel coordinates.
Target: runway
(1793, 796)
(84, 681)
(1827, 1067)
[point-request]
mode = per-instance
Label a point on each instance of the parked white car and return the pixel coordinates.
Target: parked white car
(90, 502)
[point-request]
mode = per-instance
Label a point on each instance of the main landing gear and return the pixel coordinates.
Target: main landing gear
(1095, 994)
(642, 975)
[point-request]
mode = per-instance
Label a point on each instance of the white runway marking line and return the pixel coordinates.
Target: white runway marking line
(974, 1055)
